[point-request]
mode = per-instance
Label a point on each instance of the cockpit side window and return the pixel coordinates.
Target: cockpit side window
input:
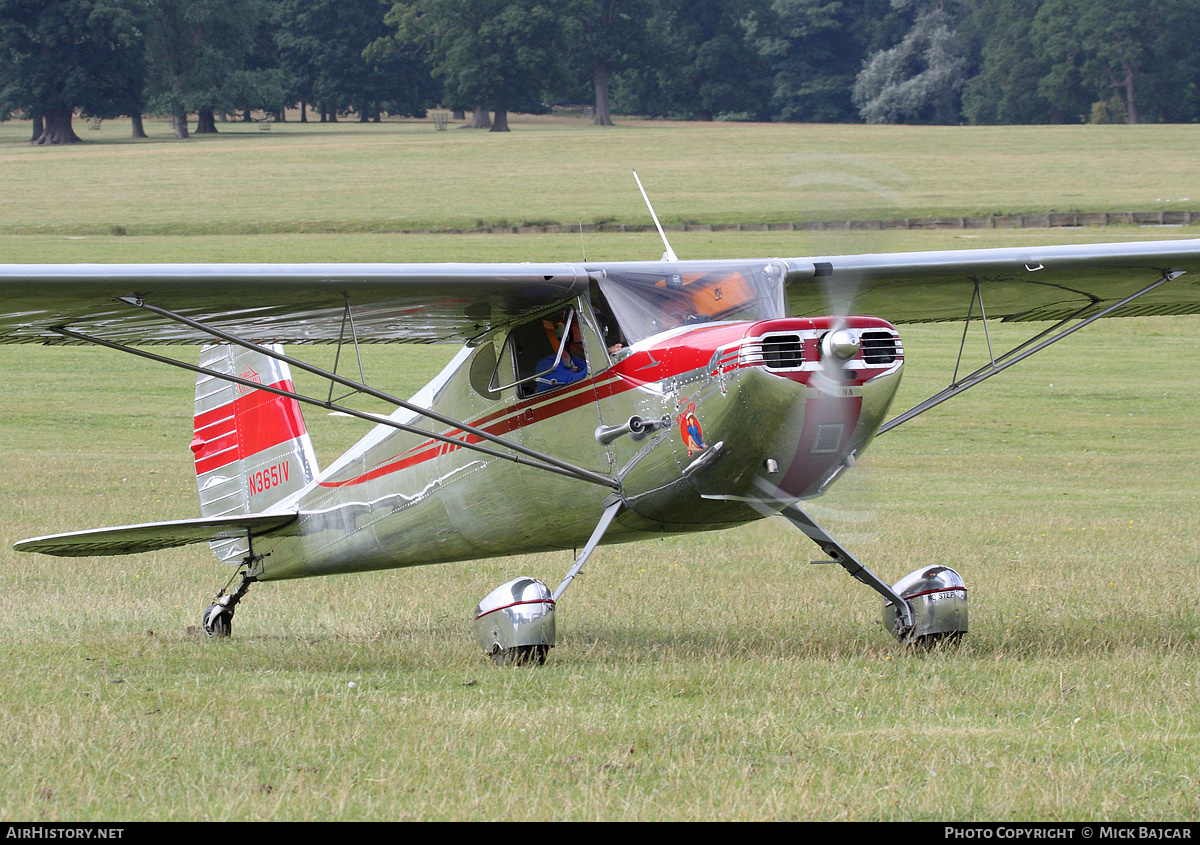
(543, 354)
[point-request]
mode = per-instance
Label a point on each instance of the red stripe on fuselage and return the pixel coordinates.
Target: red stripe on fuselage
(253, 422)
(504, 421)
(675, 356)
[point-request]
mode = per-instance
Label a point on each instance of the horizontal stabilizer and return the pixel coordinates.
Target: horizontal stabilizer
(152, 536)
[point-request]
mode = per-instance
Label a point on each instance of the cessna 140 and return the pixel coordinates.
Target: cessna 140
(591, 403)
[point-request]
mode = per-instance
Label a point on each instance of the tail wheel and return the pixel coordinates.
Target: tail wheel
(218, 618)
(218, 622)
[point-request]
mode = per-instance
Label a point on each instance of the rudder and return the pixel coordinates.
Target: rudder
(251, 446)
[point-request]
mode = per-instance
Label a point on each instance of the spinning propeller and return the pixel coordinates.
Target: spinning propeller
(837, 350)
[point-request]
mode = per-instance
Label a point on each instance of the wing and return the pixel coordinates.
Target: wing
(152, 536)
(1035, 283)
(285, 303)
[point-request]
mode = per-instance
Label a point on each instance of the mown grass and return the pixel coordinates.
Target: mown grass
(352, 177)
(710, 677)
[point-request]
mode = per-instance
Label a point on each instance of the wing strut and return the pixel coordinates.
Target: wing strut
(347, 317)
(843, 558)
(548, 460)
(977, 295)
(539, 460)
(1008, 359)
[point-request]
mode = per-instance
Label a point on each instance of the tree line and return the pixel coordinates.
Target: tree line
(875, 61)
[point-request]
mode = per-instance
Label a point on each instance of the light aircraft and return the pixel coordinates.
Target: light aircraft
(591, 403)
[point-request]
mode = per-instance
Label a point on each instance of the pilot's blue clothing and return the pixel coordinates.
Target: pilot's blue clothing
(568, 371)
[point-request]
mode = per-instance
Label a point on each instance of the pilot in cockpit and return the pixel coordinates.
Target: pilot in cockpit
(562, 330)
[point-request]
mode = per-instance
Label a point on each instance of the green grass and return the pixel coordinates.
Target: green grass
(709, 677)
(407, 176)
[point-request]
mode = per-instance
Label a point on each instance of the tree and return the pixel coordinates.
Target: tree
(498, 54)
(406, 86)
(608, 36)
(59, 56)
(1169, 85)
(263, 83)
(816, 49)
(919, 79)
(196, 52)
(1007, 87)
(705, 62)
(340, 57)
(1111, 46)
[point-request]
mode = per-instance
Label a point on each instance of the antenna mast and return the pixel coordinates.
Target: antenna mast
(669, 255)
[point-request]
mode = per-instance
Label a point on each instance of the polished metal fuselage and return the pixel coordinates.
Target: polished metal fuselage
(741, 430)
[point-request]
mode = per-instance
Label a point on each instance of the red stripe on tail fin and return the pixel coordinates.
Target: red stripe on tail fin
(252, 423)
(251, 447)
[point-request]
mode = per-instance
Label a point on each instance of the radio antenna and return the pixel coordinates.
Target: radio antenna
(669, 255)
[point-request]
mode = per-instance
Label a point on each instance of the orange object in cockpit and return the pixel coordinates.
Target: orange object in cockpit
(715, 295)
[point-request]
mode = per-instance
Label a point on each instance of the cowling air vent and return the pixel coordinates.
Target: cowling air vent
(879, 347)
(783, 351)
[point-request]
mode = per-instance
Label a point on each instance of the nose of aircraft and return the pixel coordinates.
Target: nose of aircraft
(804, 398)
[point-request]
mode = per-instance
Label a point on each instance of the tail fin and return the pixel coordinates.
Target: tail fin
(252, 448)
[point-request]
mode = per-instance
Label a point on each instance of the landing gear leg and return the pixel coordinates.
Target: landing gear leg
(514, 623)
(218, 618)
(924, 606)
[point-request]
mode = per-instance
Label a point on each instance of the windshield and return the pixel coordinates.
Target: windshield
(650, 298)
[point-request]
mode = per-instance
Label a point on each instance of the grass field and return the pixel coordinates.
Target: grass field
(351, 177)
(710, 677)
